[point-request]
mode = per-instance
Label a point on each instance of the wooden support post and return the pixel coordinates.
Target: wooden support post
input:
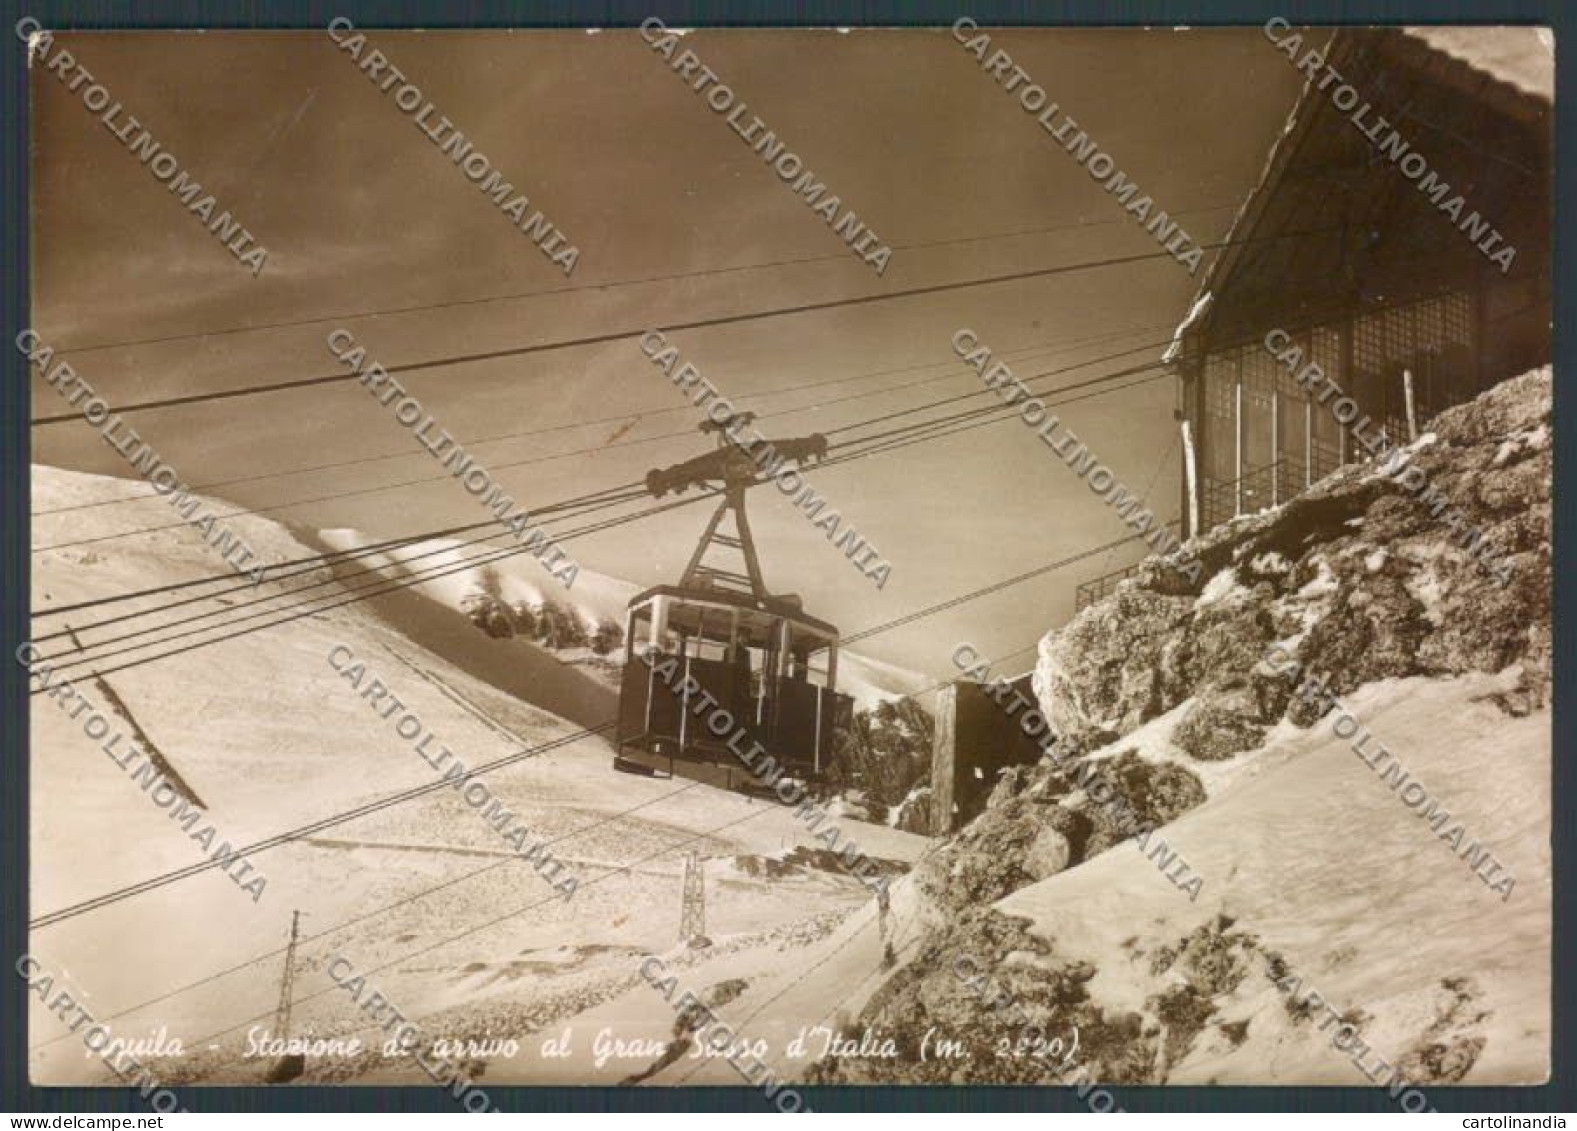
(1190, 481)
(1237, 456)
(1308, 441)
(1480, 302)
(1275, 442)
(1407, 394)
(1347, 384)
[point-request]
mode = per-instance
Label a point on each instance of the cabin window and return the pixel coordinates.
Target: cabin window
(808, 656)
(637, 630)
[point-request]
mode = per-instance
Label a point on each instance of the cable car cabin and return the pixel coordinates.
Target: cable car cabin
(721, 641)
(770, 666)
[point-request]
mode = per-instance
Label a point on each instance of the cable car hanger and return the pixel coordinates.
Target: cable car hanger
(734, 466)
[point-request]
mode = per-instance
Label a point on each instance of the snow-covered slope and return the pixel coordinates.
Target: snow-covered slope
(1319, 861)
(465, 938)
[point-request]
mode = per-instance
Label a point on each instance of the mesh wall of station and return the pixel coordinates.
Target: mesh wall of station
(1264, 439)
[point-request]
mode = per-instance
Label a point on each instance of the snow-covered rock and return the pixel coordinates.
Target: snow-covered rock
(1308, 859)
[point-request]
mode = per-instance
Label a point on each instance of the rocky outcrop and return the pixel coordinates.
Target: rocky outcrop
(1113, 666)
(1040, 816)
(989, 980)
(1359, 578)
(1212, 731)
(1356, 580)
(913, 814)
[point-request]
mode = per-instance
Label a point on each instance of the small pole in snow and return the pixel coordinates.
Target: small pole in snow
(291, 1065)
(287, 980)
(883, 927)
(692, 912)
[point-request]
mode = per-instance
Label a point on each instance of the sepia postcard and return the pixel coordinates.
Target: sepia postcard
(784, 557)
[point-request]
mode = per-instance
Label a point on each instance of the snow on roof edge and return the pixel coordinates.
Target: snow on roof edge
(1195, 312)
(1520, 57)
(1462, 43)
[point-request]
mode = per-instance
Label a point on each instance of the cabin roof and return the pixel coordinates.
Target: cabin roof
(745, 601)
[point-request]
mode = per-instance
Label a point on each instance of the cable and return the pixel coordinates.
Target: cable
(642, 414)
(375, 913)
(407, 453)
(313, 560)
(694, 324)
(375, 591)
(351, 316)
(943, 606)
(442, 477)
(620, 869)
(381, 583)
(460, 529)
(996, 405)
(257, 848)
(308, 565)
(1003, 414)
(229, 609)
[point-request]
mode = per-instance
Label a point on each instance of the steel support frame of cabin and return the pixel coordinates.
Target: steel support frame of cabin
(1371, 278)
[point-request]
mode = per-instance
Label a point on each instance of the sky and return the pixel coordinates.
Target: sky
(360, 212)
